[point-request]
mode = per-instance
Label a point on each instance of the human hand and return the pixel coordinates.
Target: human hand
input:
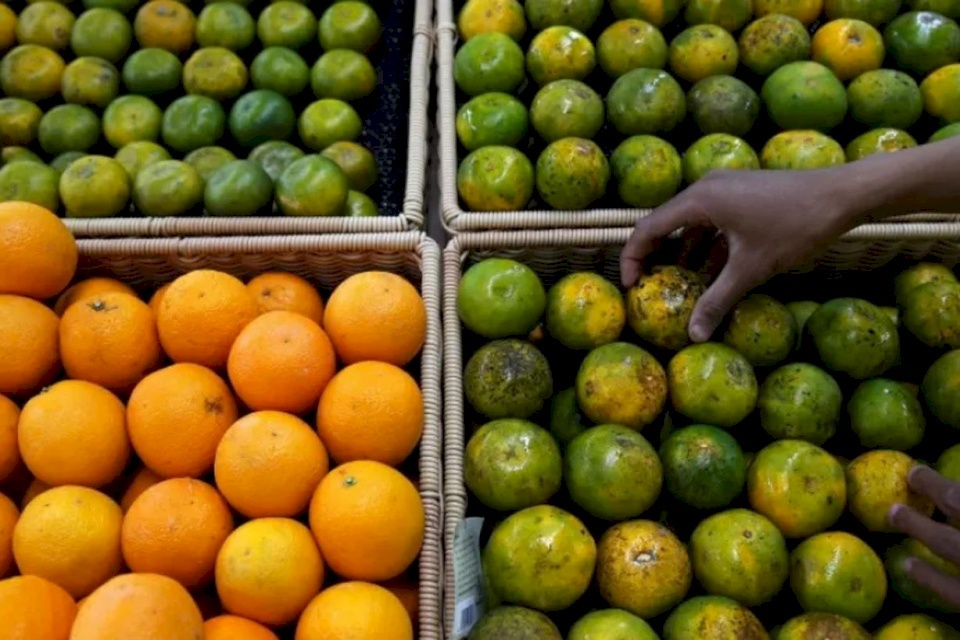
(769, 220)
(940, 538)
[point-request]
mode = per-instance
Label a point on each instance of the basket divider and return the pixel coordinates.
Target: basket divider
(455, 493)
(431, 447)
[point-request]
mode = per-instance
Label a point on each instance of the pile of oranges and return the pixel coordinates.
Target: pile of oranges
(160, 477)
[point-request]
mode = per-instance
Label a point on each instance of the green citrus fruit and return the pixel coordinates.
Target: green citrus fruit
(312, 186)
(94, 187)
(225, 24)
(349, 25)
(215, 72)
(47, 24)
(238, 188)
(192, 122)
(68, 127)
(30, 182)
(19, 121)
(31, 72)
(327, 121)
(136, 155)
(207, 160)
(130, 118)
(167, 188)
(500, 298)
(101, 33)
(274, 156)
(151, 72)
(280, 69)
(356, 162)
(259, 116)
(286, 24)
(360, 205)
(90, 81)
(343, 74)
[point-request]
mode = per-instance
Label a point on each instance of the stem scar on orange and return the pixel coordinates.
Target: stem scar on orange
(369, 521)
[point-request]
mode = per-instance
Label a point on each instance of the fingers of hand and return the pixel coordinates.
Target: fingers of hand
(648, 231)
(947, 587)
(736, 278)
(945, 493)
(940, 538)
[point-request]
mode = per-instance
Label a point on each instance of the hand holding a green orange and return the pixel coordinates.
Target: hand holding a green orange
(767, 221)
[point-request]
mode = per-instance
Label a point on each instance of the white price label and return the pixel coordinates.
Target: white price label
(467, 577)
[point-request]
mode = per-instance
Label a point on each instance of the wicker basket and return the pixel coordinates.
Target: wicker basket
(325, 261)
(553, 254)
(413, 168)
(457, 220)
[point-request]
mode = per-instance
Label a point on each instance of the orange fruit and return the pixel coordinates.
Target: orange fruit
(74, 432)
(408, 594)
(235, 628)
(8, 519)
(200, 316)
(848, 47)
(141, 606)
(35, 609)
(371, 411)
(281, 361)
(143, 480)
(157, 298)
(376, 316)
(36, 488)
(9, 453)
(268, 570)
(29, 353)
(165, 24)
(70, 536)
(175, 528)
(368, 520)
(355, 610)
(176, 417)
(109, 339)
(278, 291)
(269, 464)
(38, 255)
(87, 288)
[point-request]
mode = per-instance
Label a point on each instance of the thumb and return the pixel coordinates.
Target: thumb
(732, 283)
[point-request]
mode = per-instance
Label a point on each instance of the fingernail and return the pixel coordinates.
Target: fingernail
(952, 498)
(914, 470)
(894, 513)
(699, 333)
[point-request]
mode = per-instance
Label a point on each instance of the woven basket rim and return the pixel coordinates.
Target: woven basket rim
(426, 253)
